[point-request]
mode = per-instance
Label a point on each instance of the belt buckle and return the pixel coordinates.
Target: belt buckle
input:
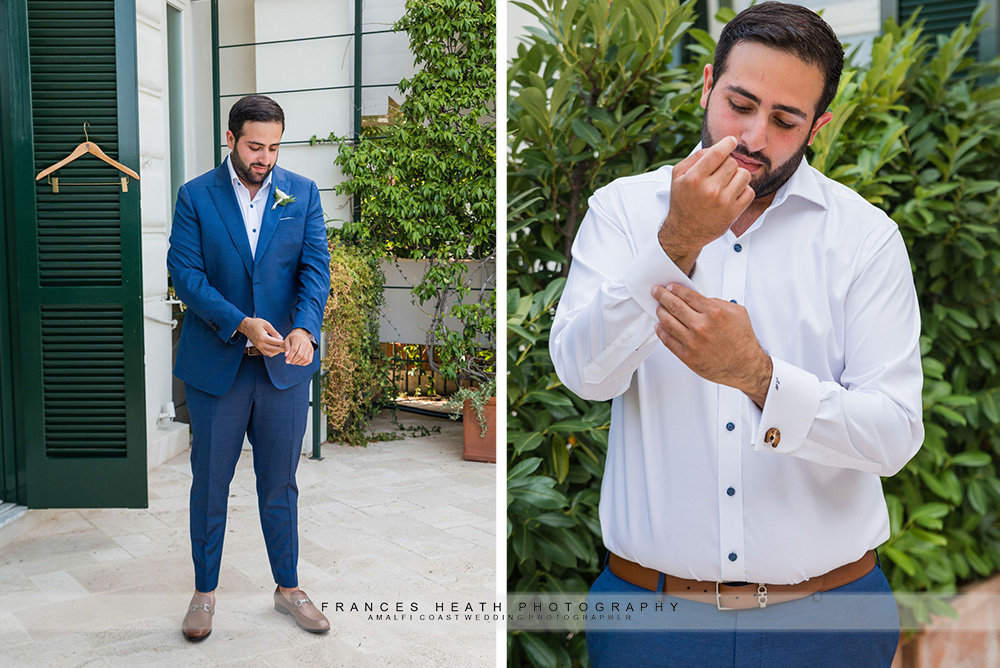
(718, 599)
(761, 597)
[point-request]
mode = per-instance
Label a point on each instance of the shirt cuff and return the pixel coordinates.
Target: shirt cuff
(652, 266)
(789, 409)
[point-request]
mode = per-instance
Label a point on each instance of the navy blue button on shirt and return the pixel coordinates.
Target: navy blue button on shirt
(730, 426)
(730, 491)
(737, 248)
(732, 556)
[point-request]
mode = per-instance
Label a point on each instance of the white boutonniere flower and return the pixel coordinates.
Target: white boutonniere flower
(281, 199)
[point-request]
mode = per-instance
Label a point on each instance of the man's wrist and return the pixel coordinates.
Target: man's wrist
(760, 381)
(681, 255)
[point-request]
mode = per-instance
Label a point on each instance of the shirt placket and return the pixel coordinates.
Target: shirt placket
(732, 430)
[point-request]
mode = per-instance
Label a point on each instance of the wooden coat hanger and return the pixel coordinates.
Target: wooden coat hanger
(92, 148)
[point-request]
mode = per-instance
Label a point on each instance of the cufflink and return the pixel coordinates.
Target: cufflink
(772, 437)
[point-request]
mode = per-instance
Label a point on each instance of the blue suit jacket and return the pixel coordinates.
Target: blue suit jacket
(287, 281)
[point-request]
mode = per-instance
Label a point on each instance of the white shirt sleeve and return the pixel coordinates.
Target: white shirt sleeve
(871, 420)
(603, 327)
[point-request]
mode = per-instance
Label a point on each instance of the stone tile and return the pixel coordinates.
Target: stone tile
(59, 586)
(66, 521)
(138, 545)
(127, 522)
(11, 631)
(484, 540)
(331, 652)
(444, 517)
(69, 650)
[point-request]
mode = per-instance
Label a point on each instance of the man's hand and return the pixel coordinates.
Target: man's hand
(714, 338)
(708, 192)
(262, 335)
(298, 347)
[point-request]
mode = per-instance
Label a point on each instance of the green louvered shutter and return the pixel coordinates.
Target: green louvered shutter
(940, 17)
(79, 262)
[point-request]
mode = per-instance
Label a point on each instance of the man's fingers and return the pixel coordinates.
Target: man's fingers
(269, 328)
(680, 295)
(687, 163)
(713, 158)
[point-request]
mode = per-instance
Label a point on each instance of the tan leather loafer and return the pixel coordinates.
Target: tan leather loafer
(302, 610)
(197, 624)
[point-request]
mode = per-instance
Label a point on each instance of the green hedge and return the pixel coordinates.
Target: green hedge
(593, 96)
(356, 383)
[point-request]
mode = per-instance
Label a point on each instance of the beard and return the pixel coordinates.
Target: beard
(769, 180)
(244, 171)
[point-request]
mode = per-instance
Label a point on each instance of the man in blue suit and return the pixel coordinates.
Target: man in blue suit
(249, 257)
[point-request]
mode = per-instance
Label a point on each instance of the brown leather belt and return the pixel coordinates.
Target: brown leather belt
(726, 596)
(252, 351)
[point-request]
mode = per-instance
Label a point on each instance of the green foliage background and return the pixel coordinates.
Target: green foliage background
(355, 381)
(594, 94)
(427, 184)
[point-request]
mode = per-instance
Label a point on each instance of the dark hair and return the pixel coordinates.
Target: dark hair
(788, 28)
(254, 108)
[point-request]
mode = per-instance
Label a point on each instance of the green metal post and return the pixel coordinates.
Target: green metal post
(317, 414)
(216, 100)
(357, 91)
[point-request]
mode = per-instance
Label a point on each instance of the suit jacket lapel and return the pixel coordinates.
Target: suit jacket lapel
(229, 211)
(269, 224)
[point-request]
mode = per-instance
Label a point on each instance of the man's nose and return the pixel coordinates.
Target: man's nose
(754, 135)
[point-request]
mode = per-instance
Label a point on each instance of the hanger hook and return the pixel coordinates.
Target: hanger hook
(85, 124)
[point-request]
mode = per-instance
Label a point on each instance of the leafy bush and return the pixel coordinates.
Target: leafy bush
(427, 184)
(594, 96)
(356, 384)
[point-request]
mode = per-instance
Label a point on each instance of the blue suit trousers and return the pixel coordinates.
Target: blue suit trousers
(854, 626)
(274, 421)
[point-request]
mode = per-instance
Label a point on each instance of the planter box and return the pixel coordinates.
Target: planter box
(971, 641)
(478, 448)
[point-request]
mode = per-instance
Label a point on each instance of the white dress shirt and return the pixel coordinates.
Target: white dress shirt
(692, 487)
(252, 208)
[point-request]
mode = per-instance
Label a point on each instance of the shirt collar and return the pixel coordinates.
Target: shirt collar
(235, 180)
(802, 183)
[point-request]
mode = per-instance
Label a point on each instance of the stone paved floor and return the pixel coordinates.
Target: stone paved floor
(397, 523)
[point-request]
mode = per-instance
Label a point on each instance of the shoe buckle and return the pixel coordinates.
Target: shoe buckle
(302, 601)
(203, 606)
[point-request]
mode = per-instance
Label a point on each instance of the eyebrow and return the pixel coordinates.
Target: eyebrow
(795, 111)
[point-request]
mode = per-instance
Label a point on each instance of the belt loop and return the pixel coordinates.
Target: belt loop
(607, 558)
(878, 561)
(660, 584)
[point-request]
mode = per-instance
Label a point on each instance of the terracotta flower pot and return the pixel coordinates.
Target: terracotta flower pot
(477, 447)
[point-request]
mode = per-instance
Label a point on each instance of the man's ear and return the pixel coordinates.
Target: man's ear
(707, 86)
(820, 122)
(230, 140)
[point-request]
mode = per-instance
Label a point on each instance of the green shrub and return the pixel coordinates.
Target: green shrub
(355, 382)
(593, 96)
(427, 183)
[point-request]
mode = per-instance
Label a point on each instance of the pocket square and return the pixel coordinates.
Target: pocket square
(286, 218)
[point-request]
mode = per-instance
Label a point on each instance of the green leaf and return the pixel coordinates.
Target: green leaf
(536, 649)
(527, 466)
(900, 559)
(972, 459)
(587, 132)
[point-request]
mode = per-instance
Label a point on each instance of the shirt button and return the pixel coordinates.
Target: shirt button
(733, 301)
(251, 206)
(730, 491)
(732, 556)
(730, 426)
(737, 248)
